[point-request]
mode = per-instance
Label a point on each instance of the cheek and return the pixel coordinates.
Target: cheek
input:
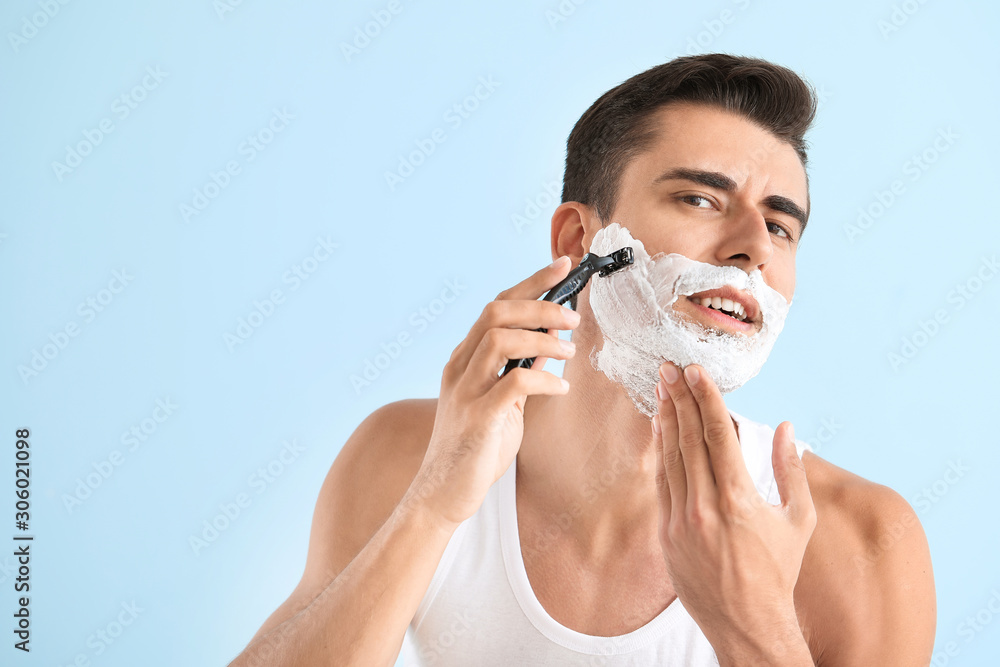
(782, 279)
(662, 232)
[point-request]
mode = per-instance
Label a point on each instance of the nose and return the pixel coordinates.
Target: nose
(746, 240)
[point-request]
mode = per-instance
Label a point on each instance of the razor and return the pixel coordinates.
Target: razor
(576, 281)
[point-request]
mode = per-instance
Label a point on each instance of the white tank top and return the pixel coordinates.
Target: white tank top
(480, 609)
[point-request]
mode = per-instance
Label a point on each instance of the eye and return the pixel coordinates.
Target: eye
(697, 197)
(779, 230)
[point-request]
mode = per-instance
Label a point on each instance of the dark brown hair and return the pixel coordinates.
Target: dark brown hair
(616, 128)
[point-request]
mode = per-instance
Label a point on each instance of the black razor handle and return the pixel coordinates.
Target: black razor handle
(573, 283)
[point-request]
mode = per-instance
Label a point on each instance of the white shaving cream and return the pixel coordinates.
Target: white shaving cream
(634, 310)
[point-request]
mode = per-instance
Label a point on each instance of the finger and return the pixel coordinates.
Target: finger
(523, 382)
(539, 363)
(790, 475)
(673, 462)
(723, 445)
(662, 484)
(508, 310)
(539, 282)
(513, 315)
(500, 345)
(690, 437)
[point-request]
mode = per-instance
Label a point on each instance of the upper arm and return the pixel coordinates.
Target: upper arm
(367, 480)
(895, 618)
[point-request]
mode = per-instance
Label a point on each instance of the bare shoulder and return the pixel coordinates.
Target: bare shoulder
(366, 481)
(866, 589)
(380, 459)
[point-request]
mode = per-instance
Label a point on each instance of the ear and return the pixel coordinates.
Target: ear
(573, 228)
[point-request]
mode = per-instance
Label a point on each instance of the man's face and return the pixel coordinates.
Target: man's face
(716, 188)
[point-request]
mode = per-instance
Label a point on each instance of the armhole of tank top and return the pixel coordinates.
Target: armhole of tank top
(440, 574)
(773, 496)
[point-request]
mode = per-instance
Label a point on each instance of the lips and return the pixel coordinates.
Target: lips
(727, 292)
(726, 307)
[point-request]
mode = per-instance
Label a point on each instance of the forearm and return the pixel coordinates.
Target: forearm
(779, 641)
(361, 617)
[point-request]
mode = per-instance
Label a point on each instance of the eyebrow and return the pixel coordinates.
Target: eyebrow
(718, 180)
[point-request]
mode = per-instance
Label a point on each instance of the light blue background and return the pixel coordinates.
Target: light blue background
(885, 98)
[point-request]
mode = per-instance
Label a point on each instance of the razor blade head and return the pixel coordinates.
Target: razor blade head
(620, 259)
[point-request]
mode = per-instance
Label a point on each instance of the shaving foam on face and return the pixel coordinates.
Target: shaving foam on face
(634, 310)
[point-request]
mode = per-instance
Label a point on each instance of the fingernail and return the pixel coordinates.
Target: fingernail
(669, 372)
(556, 264)
(564, 383)
(655, 421)
(661, 390)
(692, 375)
(567, 345)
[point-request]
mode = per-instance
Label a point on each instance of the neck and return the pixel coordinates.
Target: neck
(587, 464)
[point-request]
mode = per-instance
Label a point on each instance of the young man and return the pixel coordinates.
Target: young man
(526, 521)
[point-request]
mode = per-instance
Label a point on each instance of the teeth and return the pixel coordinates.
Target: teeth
(718, 303)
